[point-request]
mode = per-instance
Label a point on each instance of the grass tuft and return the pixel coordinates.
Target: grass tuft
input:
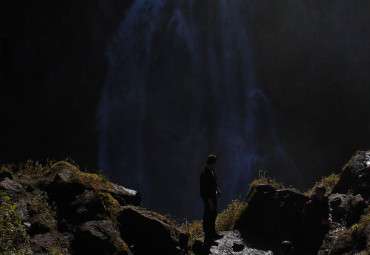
(226, 219)
(263, 179)
(329, 182)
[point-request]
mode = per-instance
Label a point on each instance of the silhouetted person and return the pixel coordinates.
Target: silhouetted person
(286, 248)
(209, 192)
(316, 220)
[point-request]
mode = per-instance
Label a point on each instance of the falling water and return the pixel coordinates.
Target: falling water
(181, 85)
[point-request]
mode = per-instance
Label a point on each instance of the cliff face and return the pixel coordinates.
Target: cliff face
(52, 67)
(309, 58)
(312, 62)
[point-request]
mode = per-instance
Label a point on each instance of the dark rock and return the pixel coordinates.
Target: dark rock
(355, 177)
(5, 174)
(147, 233)
(123, 195)
(100, 238)
(273, 215)
(12, 187)
(238, 246)
(198, 247)
(346, 208)
(41, 242)
(86, 207)
(63, 190)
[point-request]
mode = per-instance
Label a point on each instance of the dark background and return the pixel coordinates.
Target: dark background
(312, 60)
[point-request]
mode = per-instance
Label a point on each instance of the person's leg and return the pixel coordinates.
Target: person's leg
(207, 224)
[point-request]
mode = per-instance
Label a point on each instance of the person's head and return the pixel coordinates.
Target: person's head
(320, 192)
(211, 161)
(286, 248)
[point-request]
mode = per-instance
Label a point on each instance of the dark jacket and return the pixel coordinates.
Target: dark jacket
(208, 184)
(315, 211)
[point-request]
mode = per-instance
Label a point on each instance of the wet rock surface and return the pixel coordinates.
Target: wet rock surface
(233, 243)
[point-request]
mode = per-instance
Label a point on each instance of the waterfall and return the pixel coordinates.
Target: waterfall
(181, 85)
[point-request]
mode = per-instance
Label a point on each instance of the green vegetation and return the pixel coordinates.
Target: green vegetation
(329, 182)
(13, 235)
(195, 230)
(56, 250)
(41, 212)
(356, 231)
(226, 219)
(263, 179)
(111, 205)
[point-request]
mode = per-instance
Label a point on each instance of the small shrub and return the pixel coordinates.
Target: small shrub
(195, 230)
(329, 182)
(226, 219)
(33, 169)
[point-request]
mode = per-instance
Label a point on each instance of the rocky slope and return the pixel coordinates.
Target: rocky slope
(64, 210)
(58, 209)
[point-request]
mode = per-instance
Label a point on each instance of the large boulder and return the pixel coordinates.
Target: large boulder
(41, 243)
(149, 233)
(63, 189)
(346, 208)
(355, 177)
(99, 238)
(271, 214)
(86, 207)
(11, 187)
(124, 195)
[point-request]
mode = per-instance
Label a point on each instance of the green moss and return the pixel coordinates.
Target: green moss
(121, 247)
(329, 182)
(89, 180)
(111, 205)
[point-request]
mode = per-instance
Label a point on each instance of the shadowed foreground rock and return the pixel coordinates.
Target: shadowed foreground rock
(149, 234)
(100, 238)
(272, 215)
